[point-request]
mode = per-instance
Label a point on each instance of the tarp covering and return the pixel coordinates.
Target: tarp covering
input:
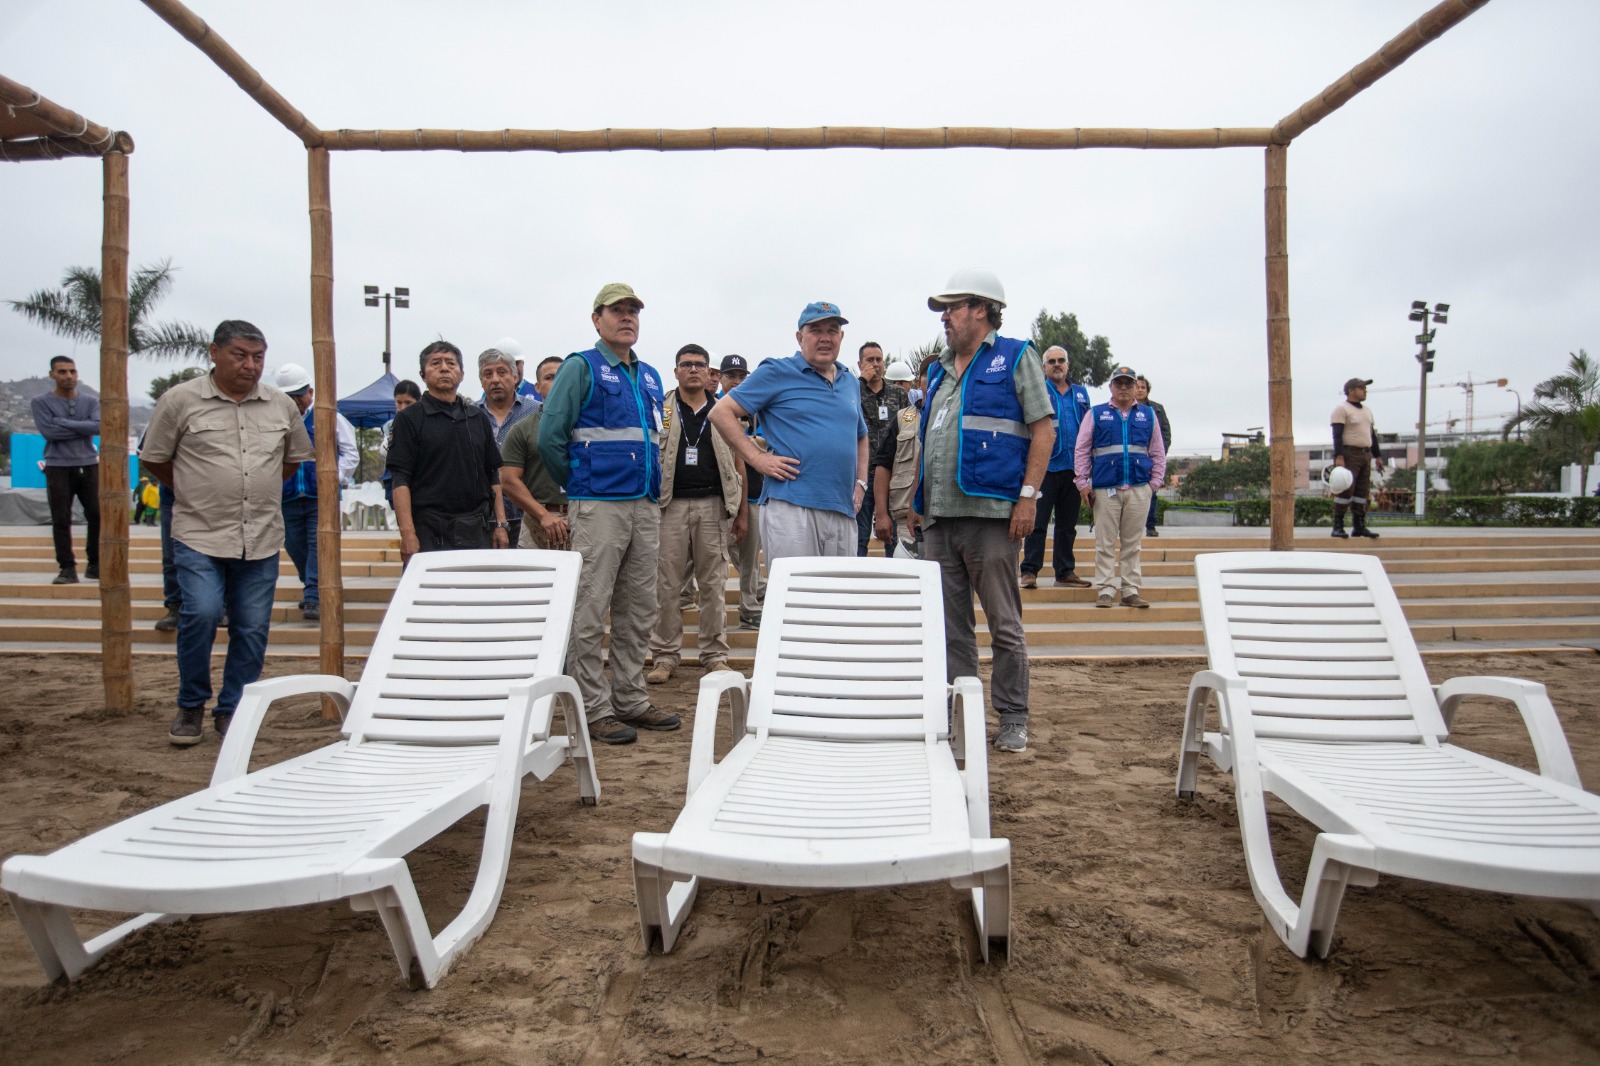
(372, 406)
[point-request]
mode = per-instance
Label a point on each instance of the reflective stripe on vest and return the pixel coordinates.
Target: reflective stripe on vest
(602, 433)
(1116, 449)
(983, 424)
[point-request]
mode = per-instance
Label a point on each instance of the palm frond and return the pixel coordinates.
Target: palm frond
(58, 312)
(168, 340)
(146, 288)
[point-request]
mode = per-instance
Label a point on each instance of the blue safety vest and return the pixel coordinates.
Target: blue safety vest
(1120, 447)
(992, 449)
(1071, 408)
(614, 450)
(304, 480)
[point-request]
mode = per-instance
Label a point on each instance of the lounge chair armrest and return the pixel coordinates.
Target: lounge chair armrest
(537, 688)
(234, 758)
(1549, 740)
(971, 747)
(703, 748)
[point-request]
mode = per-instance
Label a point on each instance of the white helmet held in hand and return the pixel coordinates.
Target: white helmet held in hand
(1339, 479)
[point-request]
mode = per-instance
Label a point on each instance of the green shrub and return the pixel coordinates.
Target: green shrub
(1308, 511)
(1586, 511)
(1547, 511)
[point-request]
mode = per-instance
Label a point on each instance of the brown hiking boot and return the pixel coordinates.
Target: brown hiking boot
(653, 719)
(168, 623)
(1029, 581)
(659, 674)
(610, 730)
(1072, 580)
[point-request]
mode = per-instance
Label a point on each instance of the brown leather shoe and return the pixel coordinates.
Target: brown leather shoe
(609, 730)
(659, 674)
(653, 719)
(1072, 580)
(1030, 581)
(1135, 600)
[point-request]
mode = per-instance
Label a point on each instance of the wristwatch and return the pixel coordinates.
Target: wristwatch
(1028, 492)
(502, 525)
(863, 484)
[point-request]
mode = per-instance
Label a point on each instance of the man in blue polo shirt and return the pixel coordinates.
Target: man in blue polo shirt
(809, 408)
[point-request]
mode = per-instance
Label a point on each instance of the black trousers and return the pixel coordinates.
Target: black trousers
(440, 531)
(1058, 494)
(1359, 462)
(63, 484)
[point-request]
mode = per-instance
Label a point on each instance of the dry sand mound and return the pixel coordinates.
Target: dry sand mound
(1137, 936)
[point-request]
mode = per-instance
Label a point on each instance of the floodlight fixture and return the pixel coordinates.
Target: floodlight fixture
(400, 297)
(1419, 305)
(370, 290)
(401, 290)
(1440, 309)
(372, 301)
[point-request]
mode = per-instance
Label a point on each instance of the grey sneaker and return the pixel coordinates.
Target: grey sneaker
(609, 730)
(185, 731)
(1135, 600)
(168, 623)
(1013, 736)
(653, 719)
(1104, 600)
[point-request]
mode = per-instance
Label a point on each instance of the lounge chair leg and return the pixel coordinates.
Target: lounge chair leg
(1193, 744)
(62, 953)
(581, 750)
(664, 904)
(991, 911)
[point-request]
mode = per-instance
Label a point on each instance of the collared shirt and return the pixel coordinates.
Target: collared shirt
(521, 407)
(522, 451)
(227, 465)
(888, 401)
(805, 416)
(1083, 463)
(942, 496)
(568, 393)
(445, 454)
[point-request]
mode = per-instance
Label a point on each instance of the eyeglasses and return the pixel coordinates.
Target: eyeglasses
(1054, 362)
(690, 364)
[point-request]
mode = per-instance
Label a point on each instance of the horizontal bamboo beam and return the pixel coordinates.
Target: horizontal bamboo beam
(773, 139)
(1407, 44)
(60, 148)
(71, 126)
(203, 37)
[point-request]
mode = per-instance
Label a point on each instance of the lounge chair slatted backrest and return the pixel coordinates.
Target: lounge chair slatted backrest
(1323, 647)
(442, 667)
(842, 655)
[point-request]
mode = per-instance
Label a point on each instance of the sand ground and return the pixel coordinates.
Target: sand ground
(1137, 939)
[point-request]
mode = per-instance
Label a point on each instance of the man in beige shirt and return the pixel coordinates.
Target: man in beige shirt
(1355, 447)
(224, 443)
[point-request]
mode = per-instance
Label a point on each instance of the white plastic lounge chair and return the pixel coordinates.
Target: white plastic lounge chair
(845, 772)
(453, 708)
(1324, 703)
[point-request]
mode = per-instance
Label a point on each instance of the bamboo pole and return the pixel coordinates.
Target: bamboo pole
(329, 556)
(116, 612)
(68, 123)
(194, 29)
(774, 139)
(1410, 41)
(1280, 384)
(33, 148)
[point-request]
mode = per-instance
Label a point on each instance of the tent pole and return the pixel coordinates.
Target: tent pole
(116, 612)
(330, 574)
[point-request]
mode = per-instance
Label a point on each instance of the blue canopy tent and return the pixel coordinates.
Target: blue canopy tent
(372, 406)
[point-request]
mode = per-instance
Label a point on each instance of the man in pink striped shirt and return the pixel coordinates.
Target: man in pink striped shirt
(1119, 462)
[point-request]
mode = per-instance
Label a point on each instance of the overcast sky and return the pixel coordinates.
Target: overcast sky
(1467, 176)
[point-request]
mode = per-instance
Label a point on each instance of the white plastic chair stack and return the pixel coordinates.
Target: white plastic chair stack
(1324, 703)
(844, 772)
(453, 709)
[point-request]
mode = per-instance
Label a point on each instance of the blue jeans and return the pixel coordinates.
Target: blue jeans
(171, 595)
(1150, 521)
(300, 538)
(245, 587)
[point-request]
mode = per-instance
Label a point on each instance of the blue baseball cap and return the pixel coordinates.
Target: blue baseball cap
(818, 310)
(1123, 372)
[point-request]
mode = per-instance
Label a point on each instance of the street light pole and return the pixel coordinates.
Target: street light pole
(1420, 313)
(1518, 395)
(401, 297)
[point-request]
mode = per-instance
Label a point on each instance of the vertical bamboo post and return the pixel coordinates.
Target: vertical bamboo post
(116, 617)
(1279, 382)
(330, 574)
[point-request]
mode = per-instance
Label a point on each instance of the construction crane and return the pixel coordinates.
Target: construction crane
(1468, 385)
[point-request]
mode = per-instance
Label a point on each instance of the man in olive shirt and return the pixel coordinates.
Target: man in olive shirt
(225, 443)
(524, 479)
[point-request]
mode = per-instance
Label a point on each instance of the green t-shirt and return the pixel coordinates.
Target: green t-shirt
(521, 449)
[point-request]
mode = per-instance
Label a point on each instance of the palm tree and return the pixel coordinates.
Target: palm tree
(73, 311)
(1567, 407)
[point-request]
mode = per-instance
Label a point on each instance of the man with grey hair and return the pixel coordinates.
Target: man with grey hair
(223, 442)
(505, 406)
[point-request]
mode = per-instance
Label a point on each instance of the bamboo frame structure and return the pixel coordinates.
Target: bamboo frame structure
(329, 550)
(116, 607)
(63, 133)
(320, 142)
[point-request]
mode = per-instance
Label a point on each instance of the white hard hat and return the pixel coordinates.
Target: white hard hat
(898, 371)
(1339, 480)
(508, 346)
(292, 377)
(969, 281)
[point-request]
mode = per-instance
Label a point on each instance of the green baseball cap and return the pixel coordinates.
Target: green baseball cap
(615, 292)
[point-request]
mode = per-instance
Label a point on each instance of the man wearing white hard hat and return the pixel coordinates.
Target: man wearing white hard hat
(988, 427)
(1355, 448)
(300, 488)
